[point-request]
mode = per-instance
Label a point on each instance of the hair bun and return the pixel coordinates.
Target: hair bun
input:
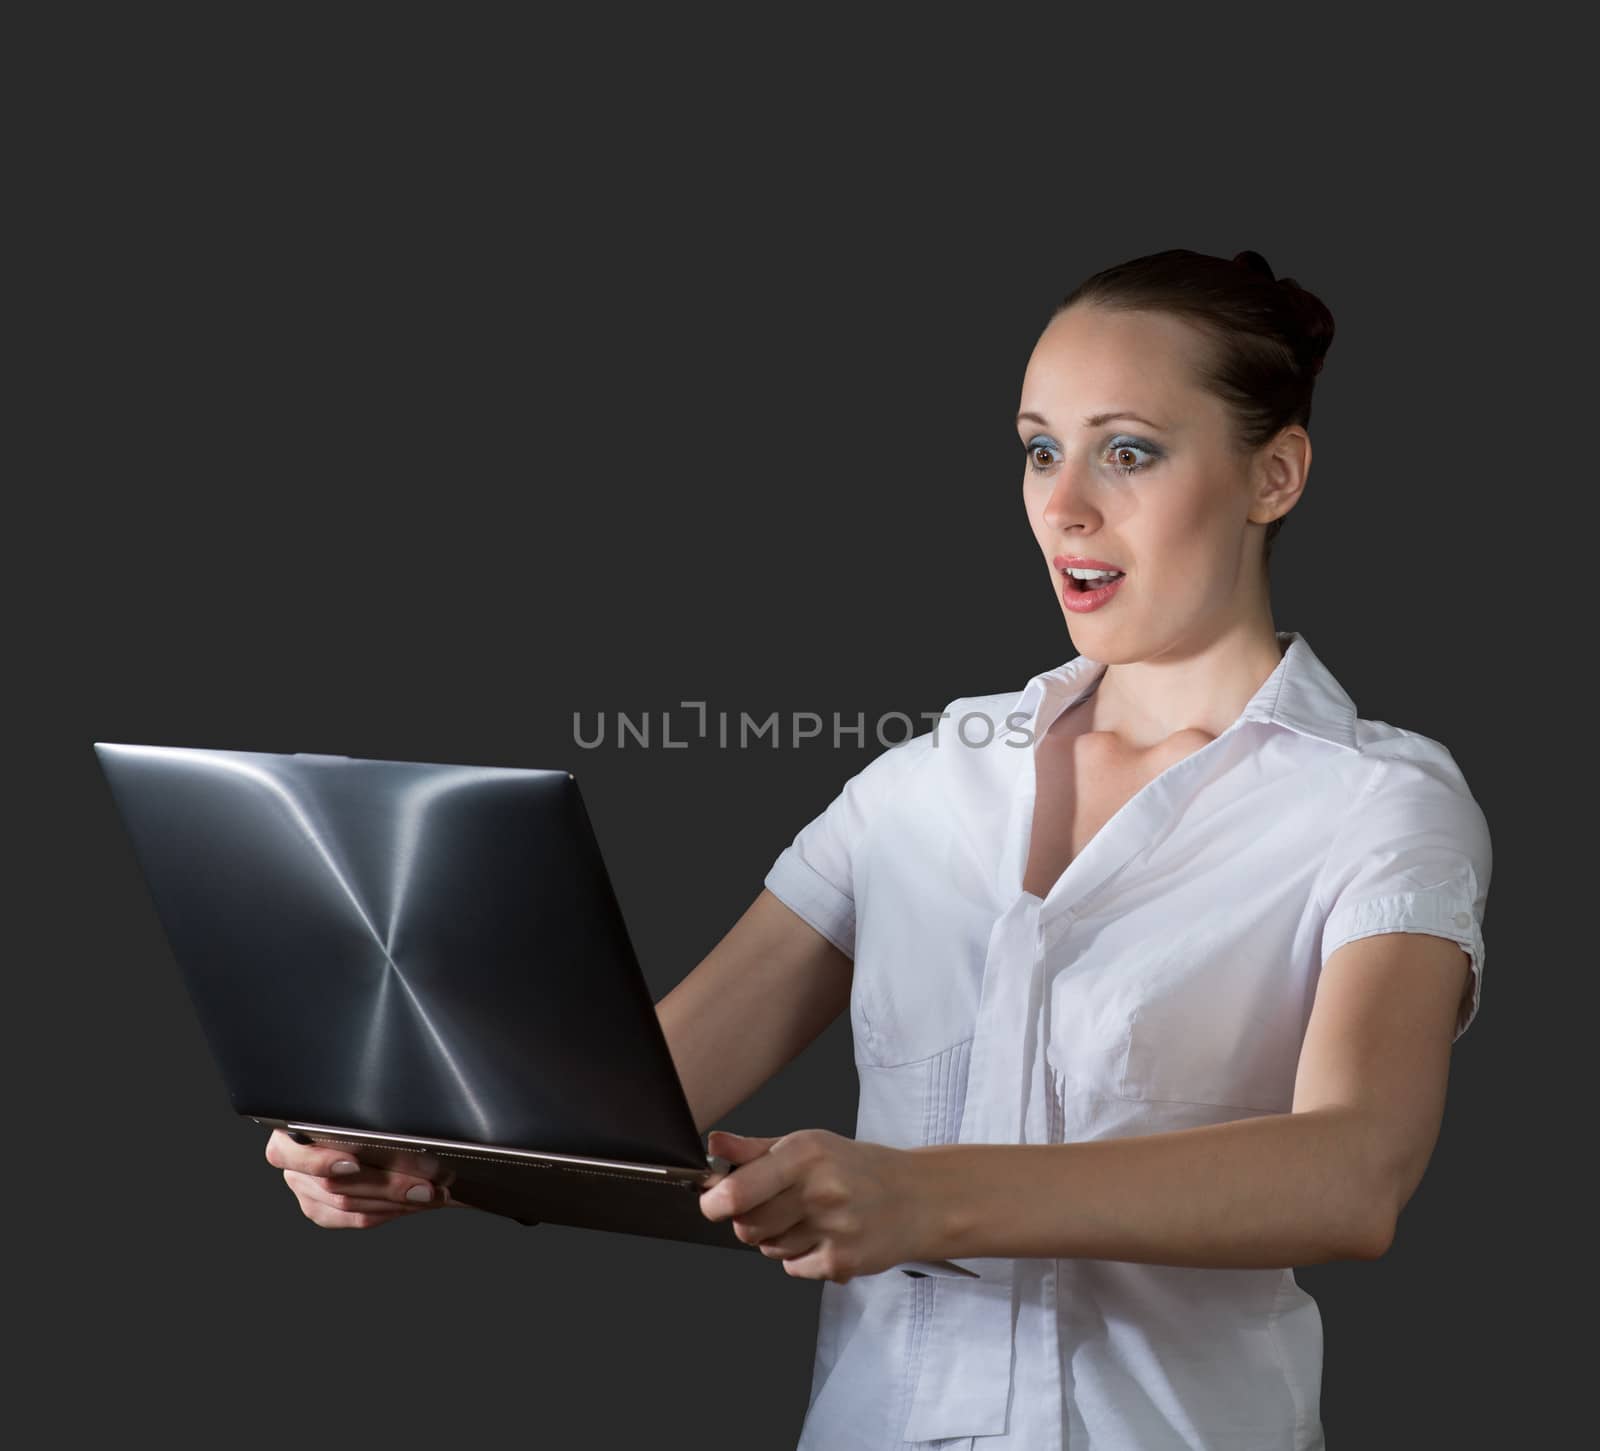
(1256, 263)
(1316, 325)
(1314, 320)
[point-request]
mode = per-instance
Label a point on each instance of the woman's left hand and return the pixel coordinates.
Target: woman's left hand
(829, 1207)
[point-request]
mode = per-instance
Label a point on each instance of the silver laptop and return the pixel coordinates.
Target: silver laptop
(425, 964)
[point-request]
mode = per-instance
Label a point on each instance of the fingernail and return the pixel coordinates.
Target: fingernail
(345, 1166)
(419, 1193)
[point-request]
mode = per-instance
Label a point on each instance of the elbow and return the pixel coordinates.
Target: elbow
(1381, 1185)
(1374, 1242)
(1370, 1227)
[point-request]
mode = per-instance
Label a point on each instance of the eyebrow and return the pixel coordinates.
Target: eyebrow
(1096, 419)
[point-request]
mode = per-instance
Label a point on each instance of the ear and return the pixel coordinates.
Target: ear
(1278, 476)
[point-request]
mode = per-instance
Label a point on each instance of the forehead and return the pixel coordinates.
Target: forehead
(1091, 360)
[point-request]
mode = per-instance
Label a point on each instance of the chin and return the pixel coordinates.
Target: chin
(1095, 640)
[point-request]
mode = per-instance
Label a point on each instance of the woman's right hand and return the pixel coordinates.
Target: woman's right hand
(357, 1197)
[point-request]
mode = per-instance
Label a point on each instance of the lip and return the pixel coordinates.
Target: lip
(1073, 561)
(1086, 601)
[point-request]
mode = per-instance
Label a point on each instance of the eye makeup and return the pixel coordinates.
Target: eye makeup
(1122, 441)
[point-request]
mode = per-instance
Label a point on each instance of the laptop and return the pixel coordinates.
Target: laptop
(425, 964)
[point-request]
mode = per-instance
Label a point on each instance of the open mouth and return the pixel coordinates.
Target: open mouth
(1097, 581)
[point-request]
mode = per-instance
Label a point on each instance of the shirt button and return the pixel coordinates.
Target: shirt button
(1463, 919)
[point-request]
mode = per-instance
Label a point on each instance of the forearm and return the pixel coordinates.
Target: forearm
(1282, 1190)
(712, 1083)
(759, 997)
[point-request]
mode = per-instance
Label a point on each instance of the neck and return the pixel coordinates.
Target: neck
(1186, 687)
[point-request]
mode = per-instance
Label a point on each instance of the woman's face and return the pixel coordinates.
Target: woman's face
(1164, 496)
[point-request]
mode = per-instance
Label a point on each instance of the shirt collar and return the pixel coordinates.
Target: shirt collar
(1301, 695)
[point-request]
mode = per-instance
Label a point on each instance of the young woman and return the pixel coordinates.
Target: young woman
(1153, 967)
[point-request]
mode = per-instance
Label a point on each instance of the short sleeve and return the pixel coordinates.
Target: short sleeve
(815, 875)
(1413, 856)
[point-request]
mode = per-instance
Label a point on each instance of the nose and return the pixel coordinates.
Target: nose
(1070, 504)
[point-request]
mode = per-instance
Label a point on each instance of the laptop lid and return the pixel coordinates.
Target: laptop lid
(405, 947)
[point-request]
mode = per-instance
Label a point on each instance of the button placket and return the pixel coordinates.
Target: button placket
(963, 1385)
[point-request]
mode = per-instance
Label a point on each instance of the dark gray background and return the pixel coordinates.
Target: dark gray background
(399, 395)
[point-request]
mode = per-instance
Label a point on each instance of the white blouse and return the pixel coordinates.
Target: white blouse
(1165, 982)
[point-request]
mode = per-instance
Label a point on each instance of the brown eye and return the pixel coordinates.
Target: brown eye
(1128, 458)
(1039, 455)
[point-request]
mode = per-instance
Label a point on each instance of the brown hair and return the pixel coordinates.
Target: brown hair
(1270, 335)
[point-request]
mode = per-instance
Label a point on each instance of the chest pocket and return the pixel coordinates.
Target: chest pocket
(906, 1008)
(923, 917)
(1203, 1014)
(912, 1105)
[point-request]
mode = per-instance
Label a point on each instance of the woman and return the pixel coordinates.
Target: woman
(1157, 964)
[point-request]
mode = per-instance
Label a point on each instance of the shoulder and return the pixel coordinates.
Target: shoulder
(976, 722)
(977, 719)
(996, 705)
(1397, 759)
(1408, 784)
